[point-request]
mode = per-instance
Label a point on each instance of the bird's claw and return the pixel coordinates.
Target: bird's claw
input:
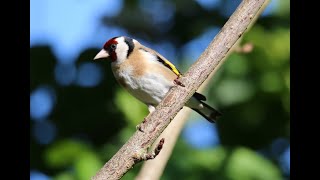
(178, 82)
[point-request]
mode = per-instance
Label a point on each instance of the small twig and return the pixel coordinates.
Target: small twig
(156, 150)
(246, 48)
(151, 155)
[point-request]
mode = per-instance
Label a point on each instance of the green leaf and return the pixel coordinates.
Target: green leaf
(64, 176)
(133, 109)
(232, 91)
(236, 65)
(271, 82)
(243, 163)
(86, 165)
(64, 153)
(221, 163)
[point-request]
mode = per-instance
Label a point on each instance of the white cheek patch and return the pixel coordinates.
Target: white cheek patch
(121, 50)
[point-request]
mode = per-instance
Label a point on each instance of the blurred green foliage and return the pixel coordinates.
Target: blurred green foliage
(221, 163)
(251, 89)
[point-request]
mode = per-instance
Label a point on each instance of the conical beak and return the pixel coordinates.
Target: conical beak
(103, 54)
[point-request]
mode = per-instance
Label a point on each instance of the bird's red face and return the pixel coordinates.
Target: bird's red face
(110, 46)
(109, 50)
(118, 49)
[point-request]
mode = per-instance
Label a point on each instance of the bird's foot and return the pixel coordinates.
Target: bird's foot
(178, 82)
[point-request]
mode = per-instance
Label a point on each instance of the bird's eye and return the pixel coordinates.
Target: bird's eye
(113, 46)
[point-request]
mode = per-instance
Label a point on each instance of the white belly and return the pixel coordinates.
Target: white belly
(150, 88)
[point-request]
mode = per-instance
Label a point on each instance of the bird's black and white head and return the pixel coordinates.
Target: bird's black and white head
(117, 49)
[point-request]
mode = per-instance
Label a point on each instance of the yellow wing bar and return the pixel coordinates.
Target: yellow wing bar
(169, 65)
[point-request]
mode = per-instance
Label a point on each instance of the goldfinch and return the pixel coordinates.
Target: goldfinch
(147, 75)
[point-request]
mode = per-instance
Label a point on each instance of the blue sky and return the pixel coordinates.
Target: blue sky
(71, 26)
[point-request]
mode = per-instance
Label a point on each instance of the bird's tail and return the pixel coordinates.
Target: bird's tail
(196, 103)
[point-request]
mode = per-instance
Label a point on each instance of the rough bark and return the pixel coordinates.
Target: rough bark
(154, 169)
(135, 150)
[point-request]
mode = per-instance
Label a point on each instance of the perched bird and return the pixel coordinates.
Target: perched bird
(147, 75)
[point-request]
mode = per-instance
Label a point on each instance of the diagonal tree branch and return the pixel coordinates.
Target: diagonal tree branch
(154, 169)
(136, 147)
